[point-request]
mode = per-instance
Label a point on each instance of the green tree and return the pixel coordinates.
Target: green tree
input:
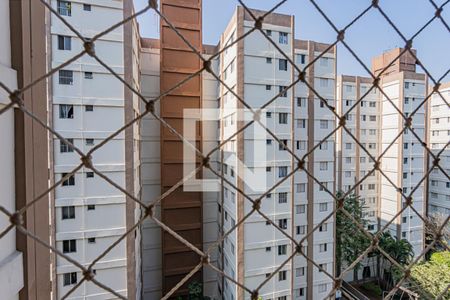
(399, 250)
(432, 277)
(350, 240)
(195, 291)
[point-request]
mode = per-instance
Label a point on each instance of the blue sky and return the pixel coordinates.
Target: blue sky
(368, 37)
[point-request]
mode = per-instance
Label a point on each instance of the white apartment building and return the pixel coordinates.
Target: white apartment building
(257, 72)
(439, 122)
(353, 162)
(313, 122)
(88, 104)
(404, 162)
(11, 260)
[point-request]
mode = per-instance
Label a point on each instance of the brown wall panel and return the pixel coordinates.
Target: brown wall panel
(171, 174)
(182, 210)
(178, 259)
(174, 151)
(180, 199)
(189, 88)
(177, 104)
(175, 60)
(182, 14)
(190, 216)
(172, 245)
(177, 124)
(172, 40)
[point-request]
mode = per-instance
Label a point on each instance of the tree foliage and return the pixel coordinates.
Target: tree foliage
(433, 276)
(400, 251)
(351, 242)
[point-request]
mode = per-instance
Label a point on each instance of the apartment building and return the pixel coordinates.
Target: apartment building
(439, 121)
(404, 163)
(256, 71)
(11, 260)
(354, 163)
(87, 104)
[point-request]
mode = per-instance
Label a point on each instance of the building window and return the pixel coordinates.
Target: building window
(69, 181)
(89, 108)
(64, 147)
(301, 292)
(299, 272)
(283, 38)
(68, 212)
(283, 91)
(89, 142)
(89, 174)
(282, 171)
(282, 118)
(322, 288)
(64, 8)
(405, 145)
(91, 207)
(269, 32)
(268, 115)
(323, 206)
(268, 249)
(69, 246)
(64, 42)
(323, 82)
(370, 227)
(323, 227)
(268, 169)
(301, 187)
(323, 145)
(88, 75)
(282, 197)
(282, 275)
(87, 7)
(302, 58)
(282, 250)
(91, 240)
(65, 77)
(282, 145)
(300, 229)
(65, 111)
(69, 278)
(268, 142)
(282, 64)
(300, 209)
(323, 267)
(268, 87)
(323, 166)
(323, 247)
(301, 102)
(406, 85)
(301, 145)
(324, 61)
(269, 60)
(282, 223)
(323, 124)
(301, 123)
